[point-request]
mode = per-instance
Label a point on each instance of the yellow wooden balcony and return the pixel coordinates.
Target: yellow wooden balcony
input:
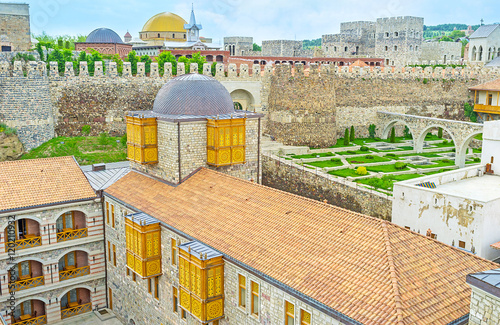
(480, 108)
(71, 234)
(33, 321)
(31, 241)
(76, 310)
(74, 273)
(26, 284)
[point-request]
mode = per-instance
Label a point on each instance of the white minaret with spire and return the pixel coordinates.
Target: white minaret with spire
(193, 29)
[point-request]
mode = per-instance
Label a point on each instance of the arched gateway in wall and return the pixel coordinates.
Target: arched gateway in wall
(461, 133)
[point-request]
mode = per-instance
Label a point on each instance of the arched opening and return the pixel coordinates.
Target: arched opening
(436, 136)
(74, 264)
(237, 106)
(131, 322)
(210, 58)
(219, 58)
(75, 302)
(480, 54)
(403, 135)
(491, 53)
(462, 153)
(26, 275)
(244, 98)
(23, 233)
(71, 225)
(474, 53)
(177, 56)
(158, 35)
(29, 312)
(255, 61)
(341, 63)
(277, 62)
(263, 62)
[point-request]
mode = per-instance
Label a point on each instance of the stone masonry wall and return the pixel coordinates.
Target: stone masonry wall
(484, 308)
(304, 182)
(15, 24)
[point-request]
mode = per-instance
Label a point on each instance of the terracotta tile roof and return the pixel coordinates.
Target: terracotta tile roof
(368, 269)
(496, 245)
(33, 182)
(490, 86)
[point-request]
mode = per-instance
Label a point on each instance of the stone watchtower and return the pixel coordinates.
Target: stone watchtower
(399, 39)
(15, 27)
(238, 45)
(193, 124)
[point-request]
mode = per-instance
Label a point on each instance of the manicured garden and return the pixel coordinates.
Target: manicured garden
(334, 162)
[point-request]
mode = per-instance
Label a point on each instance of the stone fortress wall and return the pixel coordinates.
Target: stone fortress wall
(356, 39)
(445, 51)
(285, 48)
(15, 26)
(238, 45)
(399, 39)
(42, 105)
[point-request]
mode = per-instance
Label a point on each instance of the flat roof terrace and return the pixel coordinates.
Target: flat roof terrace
(480, 188)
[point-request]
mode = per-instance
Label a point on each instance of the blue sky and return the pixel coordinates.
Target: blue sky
(262, 19)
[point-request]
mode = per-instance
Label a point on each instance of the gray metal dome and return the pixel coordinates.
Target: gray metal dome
(193, 94)
(103, 35)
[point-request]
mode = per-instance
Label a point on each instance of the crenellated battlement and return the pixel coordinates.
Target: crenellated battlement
(231, 71)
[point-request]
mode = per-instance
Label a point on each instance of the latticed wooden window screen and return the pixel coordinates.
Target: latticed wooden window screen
(226, 142)
(289, 313)
(305, 317)
(142, 143)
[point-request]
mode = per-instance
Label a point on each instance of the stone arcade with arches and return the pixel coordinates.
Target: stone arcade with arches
(462, 133)
(51, 242)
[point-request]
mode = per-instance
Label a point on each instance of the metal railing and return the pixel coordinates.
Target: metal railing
(33, 321)
(74, 273)
(71, 234)
(26, 284)
(24, 243)
(77, 310)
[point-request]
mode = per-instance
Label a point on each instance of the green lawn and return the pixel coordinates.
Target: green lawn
(424, 154)
(313, 155)
(385, 169)
(479, 137)
(387, 181)
(437, 163)
(353, 152)
(432, 137)
(366, 159)
(406, 148)
(346, 172)
(443, 144)
(326, 163)
(474, 150)
(87, 150)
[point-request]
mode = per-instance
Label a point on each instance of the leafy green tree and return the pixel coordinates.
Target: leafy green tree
(440, 133)
(56, 56)
(256, 47)
(393, 136)
(133, 59)
(165, 57)
(469, 112)
(119, 63)
(456, 34)
(407, 132)
(200, 59)
(352, 136)
(214, 68)
(60, 43)
(346, 137)
(185, 61)
(371, 131)
(445, 39)
(66, 44)
(39, 49)
(147, 63)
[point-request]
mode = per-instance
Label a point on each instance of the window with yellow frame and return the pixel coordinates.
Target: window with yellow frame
(289, 313)
(142, 139)
(255, 298)
(242, 292)
(305, 317)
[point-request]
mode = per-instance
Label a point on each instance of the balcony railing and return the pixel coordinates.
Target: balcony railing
(32, 241)
(26, 284)
(481, 108)
(77, 310)
(74, 273)
(33, 321)
(71, 234)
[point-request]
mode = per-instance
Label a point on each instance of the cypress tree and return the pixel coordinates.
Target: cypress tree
(352, 134)
(440, 133)
(346, 137)
(393, 136)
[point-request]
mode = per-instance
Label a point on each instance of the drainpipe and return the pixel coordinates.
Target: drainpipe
(179, 149)
(105, 253)
(258, 154)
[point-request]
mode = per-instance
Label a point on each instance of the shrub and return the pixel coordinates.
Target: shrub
(351, 152)
(364, 148)
(7, 130)
(446, 161)
(329, 154)
(123, 139)
(369, 157)
(371, 131)
(352, 134)
(393, 136)
(391, 155)
(361, 170)
(346, 137)
(335, 160)
(407, 133)
(425, 81)
(445, 141)
(440, 133)
(400, 165)
(477, 159)
(86, 129)
(103, 139)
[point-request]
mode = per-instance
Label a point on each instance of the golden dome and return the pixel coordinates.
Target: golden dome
(165, 22)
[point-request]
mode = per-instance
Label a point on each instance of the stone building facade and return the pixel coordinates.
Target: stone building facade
(283, 48)
(441, 51)
(238, 45)
(485, 300)
(15, 33)
(484, 45)
(55, 265)
(356, 39)
(399, 39)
